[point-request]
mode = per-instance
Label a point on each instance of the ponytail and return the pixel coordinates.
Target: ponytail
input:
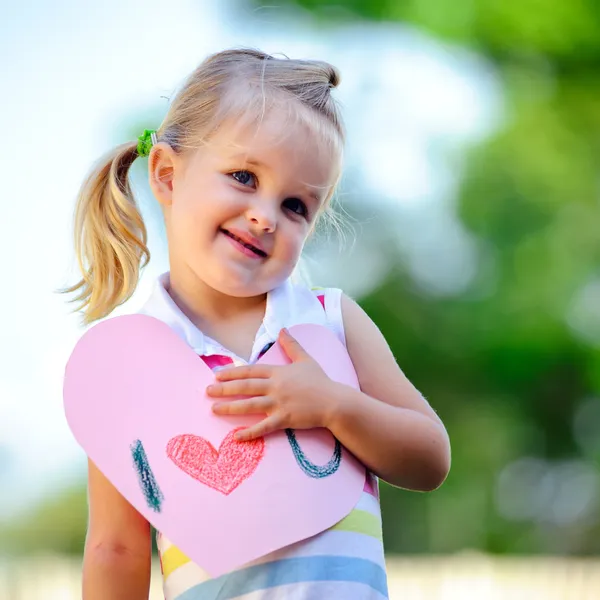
(110, 236)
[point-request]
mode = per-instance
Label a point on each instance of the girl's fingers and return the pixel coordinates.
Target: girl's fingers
(244, 372)
(238, 387)
(266, 426)
(291, 346)
(251, 406)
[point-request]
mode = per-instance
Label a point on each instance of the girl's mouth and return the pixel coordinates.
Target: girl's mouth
(257, 252)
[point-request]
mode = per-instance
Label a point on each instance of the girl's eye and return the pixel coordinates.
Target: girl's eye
(296, 206)
(244, 177)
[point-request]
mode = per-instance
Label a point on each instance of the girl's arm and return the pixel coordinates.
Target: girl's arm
(118, 548)
(388, 425)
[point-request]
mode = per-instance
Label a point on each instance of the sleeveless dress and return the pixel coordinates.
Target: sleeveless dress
(345, 562)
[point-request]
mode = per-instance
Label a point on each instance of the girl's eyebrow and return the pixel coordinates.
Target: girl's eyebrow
(316, 197)
(249, 161)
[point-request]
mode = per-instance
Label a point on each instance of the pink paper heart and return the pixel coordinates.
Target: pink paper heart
(132, 386)
(223, 469)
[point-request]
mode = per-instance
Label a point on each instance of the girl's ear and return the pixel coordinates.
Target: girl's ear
(162, 163)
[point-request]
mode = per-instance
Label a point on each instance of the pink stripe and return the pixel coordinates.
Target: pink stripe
(217, 360)
(371, 485)
(322, 300)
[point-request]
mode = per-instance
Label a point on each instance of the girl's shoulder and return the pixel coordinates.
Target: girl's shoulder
(331, 301)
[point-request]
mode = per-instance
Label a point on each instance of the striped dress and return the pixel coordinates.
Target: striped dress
(345, 562)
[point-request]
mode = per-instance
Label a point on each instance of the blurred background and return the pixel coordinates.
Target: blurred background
(472, 193)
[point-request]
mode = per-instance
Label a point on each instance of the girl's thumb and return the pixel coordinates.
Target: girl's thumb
(291, 346)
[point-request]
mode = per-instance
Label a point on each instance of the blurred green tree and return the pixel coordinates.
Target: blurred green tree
(58, 524)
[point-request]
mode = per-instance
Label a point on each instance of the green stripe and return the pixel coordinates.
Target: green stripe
(361, 521)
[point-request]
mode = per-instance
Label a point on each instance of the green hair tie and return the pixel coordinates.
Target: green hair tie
(146, 141)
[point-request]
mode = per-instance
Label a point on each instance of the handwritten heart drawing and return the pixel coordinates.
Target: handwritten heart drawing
(134, 398)
(223, 469)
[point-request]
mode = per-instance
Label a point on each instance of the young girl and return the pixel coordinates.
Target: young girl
(244, 164)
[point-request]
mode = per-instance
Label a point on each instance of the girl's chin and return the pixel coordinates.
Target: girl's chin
(250, 289)
(240, 288)
(233, 279)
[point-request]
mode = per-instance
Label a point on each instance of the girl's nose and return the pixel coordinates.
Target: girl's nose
(263, 218)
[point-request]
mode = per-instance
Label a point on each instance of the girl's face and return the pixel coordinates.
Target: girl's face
(241, 208)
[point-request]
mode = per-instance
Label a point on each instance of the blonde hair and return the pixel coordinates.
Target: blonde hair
(110, 235)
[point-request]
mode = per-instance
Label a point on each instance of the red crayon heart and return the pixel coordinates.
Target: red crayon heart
(223, 469)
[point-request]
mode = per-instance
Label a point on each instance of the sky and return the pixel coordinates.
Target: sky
(73, 72)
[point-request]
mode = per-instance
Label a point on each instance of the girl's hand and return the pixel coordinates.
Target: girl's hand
(298, 395)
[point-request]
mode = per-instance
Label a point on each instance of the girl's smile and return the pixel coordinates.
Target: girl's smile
(245, 243)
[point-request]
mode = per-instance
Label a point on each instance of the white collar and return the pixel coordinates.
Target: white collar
(287, 305)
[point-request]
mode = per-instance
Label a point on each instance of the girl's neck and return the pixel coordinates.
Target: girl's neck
(210, 309)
